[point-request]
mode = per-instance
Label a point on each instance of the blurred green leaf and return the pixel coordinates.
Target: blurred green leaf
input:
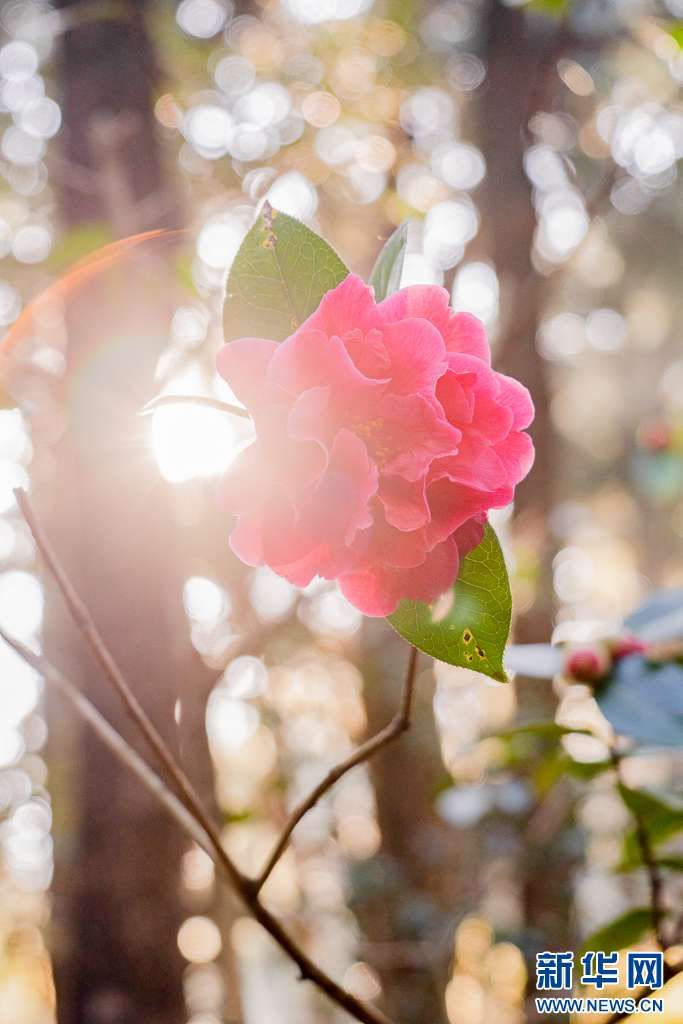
(668, 863)
(386, 273)
(280, 274)
(661, 819)
(543, 730)
(183, 269)
(647, 806)
(586, 770)
(77, 243)
(472, 632)
(556, 8)
(621, 932)
(675, 30)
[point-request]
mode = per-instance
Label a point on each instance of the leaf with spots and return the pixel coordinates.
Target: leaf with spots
(278, 277)
(473, 628)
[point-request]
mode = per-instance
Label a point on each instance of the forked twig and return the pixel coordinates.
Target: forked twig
(112, 739)
(309, 970)
(104, 657)
(399, 723)
(189, 805)
(654, 875)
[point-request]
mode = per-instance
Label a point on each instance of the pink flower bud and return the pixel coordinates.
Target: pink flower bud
(588, 663)
(622, 646)
(655, 436)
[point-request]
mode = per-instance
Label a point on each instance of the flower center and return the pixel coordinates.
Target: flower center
(374, 433)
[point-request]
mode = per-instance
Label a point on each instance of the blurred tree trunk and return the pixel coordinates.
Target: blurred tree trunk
(521, 56)
(419, 884)
(117, 899)
(521, 80)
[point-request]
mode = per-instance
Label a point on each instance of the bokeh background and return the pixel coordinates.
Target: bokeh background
(536, 148)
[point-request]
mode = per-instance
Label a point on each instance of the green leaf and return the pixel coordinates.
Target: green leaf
(621, 932)
(586, 770)
(649, 808)
(386, 273)
(474, 627)
(661, 820)
(278, 277)
(667, 863)
(675, 30)
(554, 8)
(77, 243)
(670, 863)
(543, 730)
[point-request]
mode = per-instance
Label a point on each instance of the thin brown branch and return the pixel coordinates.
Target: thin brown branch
(309, 970)
(202, 401)
(136, 712)
(398, 724)
(654, 875)
(644, 993)
(112, 739)
(189, 806)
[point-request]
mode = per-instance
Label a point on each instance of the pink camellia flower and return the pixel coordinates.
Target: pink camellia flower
(383, 437)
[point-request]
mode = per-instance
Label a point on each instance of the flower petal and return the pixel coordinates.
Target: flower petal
(338, 507)
(461, 332)
(379, 590)
(516, 397)
(405, 503)
(414, 432)
(417, 354)
(309, 359)
(517, 455)
(243, 364)
(476, 465)
(451, 506)
(348, 307)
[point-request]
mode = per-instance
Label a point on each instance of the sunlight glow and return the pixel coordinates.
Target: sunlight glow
(190, 442)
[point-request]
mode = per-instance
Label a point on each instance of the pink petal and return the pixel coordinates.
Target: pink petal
(417, 354)
(456, 395)
(379, 590)
(414, 432)
(461, 332)
(309, 359)
(466, 333)
(405, 503)
(311, 416)
(451, 506)
(516, 397)
(470, 535)
(386, 545)
(369, 353)
(243, 364)
(516, 453)
(476, 465)
(246, 540)
(491, 421)
(338, 507)
(348, 307)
